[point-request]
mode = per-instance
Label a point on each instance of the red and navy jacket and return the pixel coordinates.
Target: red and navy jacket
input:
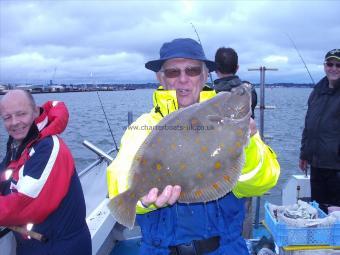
(45, 189)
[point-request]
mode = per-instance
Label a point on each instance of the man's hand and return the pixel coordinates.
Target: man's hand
(303, 165)
(169, 196)
(252, 127)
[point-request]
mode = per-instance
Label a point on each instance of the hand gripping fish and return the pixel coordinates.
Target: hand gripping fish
(200, 148)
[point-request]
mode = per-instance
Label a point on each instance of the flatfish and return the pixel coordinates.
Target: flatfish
(200, 148)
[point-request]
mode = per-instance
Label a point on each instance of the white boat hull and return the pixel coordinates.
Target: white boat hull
(297, 187)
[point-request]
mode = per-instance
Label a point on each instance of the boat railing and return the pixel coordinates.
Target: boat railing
(102, 156)
(262, 107)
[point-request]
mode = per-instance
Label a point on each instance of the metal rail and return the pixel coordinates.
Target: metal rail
(262, 70)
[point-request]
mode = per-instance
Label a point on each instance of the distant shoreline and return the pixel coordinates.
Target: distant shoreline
(38, 89)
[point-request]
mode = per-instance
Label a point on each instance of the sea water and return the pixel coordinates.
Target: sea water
(283, 124)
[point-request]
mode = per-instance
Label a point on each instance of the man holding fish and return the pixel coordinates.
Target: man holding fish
(189, 177)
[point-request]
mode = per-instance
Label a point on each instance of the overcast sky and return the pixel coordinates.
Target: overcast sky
(110, 41)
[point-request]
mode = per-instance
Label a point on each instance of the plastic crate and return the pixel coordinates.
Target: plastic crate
(285, 235)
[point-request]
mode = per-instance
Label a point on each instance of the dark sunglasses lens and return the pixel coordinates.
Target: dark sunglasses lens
(190, 71)
(172, 73)
(330, 64)
(193, 71)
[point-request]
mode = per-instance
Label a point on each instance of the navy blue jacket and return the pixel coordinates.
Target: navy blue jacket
(320, 143)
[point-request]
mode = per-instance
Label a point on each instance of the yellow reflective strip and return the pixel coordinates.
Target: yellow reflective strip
(251, 174)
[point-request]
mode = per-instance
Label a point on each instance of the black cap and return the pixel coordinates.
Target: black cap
(333, 54)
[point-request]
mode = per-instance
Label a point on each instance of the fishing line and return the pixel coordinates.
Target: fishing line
(301, 58)
(114, 140)
(199, 40)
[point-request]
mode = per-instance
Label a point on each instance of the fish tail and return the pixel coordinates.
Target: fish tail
(123, 208)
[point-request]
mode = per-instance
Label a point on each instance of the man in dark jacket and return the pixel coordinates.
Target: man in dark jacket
(226, 61)
(320, 144)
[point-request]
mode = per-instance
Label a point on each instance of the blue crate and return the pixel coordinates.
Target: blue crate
(285, 235)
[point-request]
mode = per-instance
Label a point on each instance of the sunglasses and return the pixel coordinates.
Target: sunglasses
(330, 64)
(191, 71)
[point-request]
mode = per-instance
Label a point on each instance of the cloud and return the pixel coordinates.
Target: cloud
(67, 40)
(272, 59)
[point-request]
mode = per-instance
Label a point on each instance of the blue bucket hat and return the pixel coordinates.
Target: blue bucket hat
(180, 48)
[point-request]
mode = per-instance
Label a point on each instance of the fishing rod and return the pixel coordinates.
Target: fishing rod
(301, 57)
(199, 40)
(35, 235)
(114, 140)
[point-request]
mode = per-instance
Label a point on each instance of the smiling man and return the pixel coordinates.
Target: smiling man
(320, 143)
(39, 187)
(170, 227)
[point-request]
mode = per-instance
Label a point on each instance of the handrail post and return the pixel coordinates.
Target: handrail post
(262, 70)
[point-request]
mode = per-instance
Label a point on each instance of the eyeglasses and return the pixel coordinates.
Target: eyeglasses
(330, 64)
(191, 71)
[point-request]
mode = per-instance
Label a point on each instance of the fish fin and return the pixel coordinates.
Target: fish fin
(217, 189)
(123, 208)
(207, 193)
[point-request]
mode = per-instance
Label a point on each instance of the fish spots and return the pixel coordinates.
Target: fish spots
(199, 175)
(238, 144)
(204, 149)
(231, 149)
(239, 132)
(173, 146)
(198, 193)
(216, 185)
(226, 178)
(194, 122)
(141, 160)
(132, 195)
(197, 140)
(183, 166)
(159, 166)
(144, 162)
(217, 165)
